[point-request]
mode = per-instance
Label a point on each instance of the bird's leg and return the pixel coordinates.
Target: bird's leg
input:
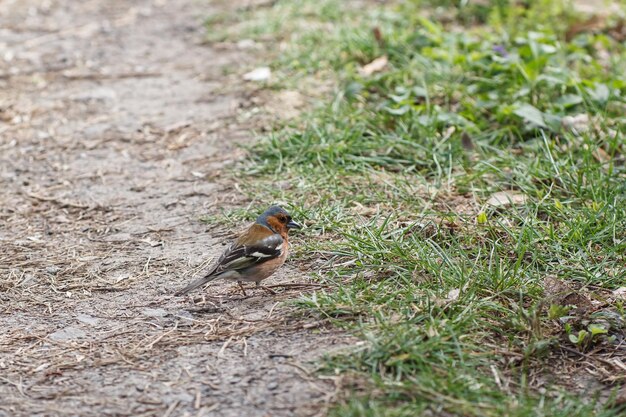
(243, 291)
(263, 287)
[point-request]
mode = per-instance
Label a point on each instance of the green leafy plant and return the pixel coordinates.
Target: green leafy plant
(585, 338)
(557, 311)
(394, 173)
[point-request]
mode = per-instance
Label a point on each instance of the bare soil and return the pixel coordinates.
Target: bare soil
(116, 123)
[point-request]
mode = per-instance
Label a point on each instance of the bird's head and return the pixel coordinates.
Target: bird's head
(277, 219)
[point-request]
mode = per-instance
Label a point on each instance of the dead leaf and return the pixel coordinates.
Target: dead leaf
(258, 74)
(247, 44)
(450, 297)
(376, 65)
(363, 210)
(285, 104)
(576, 124)
(152, 243)
(506, 198)
(448, 133)
(453, 294)
(561, 292)
(601, 155)
(431, 331)
(620, 293)
(378, 35)
(619, 31)
(593, 24)
(601, 21)
(466, 141)
(555, 288)
(178, 126)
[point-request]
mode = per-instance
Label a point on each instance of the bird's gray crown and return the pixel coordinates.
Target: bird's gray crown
(272, 211)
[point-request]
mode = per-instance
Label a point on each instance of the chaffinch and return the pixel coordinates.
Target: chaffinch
(256, 254)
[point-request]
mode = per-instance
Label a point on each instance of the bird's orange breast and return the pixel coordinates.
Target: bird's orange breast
(268, 268)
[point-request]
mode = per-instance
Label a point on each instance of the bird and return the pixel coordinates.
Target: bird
(255, 254)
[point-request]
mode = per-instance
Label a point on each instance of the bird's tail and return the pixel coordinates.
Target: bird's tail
(197, 283)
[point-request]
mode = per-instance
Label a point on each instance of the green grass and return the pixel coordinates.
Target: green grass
(392, 175)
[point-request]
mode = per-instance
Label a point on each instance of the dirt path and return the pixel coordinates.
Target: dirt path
(115, 123)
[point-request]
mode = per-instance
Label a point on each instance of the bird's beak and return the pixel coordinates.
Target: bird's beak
(293, 225)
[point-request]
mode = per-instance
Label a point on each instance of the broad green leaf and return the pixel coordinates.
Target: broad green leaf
(601, 93)
(597, 329)
(399, 111)
(569, 100)
(530, 114)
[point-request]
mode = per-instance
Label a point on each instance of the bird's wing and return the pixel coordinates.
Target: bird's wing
(242, 254)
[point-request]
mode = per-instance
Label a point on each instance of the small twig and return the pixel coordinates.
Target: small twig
(296, 285)
(207, 309)
(119, 76)
(147, 265)
(264, 288)
(590, 357)
(279, 355)
(170, 409)
(160, 337)
(51, 36)
(212, 408)
(269, 315)
(211, 385)
(496, 377)
(243, 290)
(198, 400)
(92, 289)
(316, 324)
(295, 365)
(150, 230)
(62, 203)
(224, 346)
(18, 385)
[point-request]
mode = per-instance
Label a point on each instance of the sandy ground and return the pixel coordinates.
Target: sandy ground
(116, 121)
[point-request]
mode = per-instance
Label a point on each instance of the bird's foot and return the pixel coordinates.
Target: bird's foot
(243, 290)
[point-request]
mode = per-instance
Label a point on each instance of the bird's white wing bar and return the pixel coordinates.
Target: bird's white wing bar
(260, 255)
(241, 257)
